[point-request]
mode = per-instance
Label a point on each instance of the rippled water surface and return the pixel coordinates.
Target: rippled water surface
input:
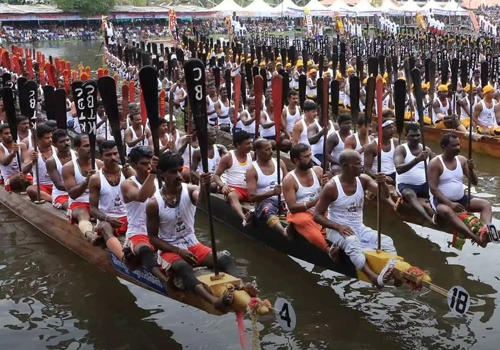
(50, 298)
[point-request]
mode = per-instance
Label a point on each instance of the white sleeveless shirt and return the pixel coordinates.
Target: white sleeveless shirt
(144, 142)
(177, 224)
(387, 163)
(291, 119)
(248, 128)
(306, 194)
(42, 170)
(269, 132)
(487, 115)
(265, 182)
(224, 110)
(79, 178)
(110, 197)
(136, 214)
(450, 182)
(442, 109)
(317, 148)
(55, 191)
(11, 169)
(347, 210)
(339, 148)
(414, 176)
(236, 174)
(303, 135)
(213, 163)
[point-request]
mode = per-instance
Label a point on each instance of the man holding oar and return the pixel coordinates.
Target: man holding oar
(446, 173)
(10, 169)
(170, 224)
(343, 197)
(61, 156)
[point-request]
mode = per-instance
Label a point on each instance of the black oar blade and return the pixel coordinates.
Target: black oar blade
(195, 82)
(107, 89)
(370, 97)
(463, 73)
(484, 73)
(302, 89)
(454, 74)
(432, 75)
(417, 89)
(60, 108)
(400, 102)
(354, 94)
(148, 78)
(9, 104)
(32, 98)
(50, 103)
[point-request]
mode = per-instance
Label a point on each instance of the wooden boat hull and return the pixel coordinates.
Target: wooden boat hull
(54, 223)
(486, 144)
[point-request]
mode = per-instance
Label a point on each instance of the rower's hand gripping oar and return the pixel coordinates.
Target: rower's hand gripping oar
(148, 78)
(195, 81)
(107, 89)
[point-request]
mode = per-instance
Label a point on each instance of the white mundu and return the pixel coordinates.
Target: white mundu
(450, 182)
(348, 211)
(236, 174)
(414, 176)
(306, 194)
(177, 224)
(110, 197)
(136, 214)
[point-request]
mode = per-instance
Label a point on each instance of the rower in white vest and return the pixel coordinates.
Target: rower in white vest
(343, 198)
(335, 143)
(359, 140)
(387, 156)
(61, 156)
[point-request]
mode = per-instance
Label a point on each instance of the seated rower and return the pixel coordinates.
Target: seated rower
(170, 221)
(262, 185)
(446, 174)
(247, 117)
(136, 133)
(76, 175)
(485, 112)
(235, 165)
(299, 131)
(343, 197)
(165, 138)
(267, 129)
(222, 109)
(411, 182)
(13, 176)
(215, 153)
(441, 111)
(105, 198)
(388, 147)
(301, 188)
(188, 143)
(316, 138)
(360, 139)
(290, 114)
(61, 156)
(136, 191)
(335, 143)
(45, 150)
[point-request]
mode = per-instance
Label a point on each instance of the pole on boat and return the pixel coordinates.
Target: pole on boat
(399, 106)
(195, 81)
(417, 89)
(380, 93)
(237, 97)
(258, 90)
(277, 91)
(31, 98)
(324, 118)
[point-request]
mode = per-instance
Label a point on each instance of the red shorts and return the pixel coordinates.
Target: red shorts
(242, 193)
(46, 188)
(201, 251)
(140, 239)
(74, 206)
(60, 199)
(120, 231)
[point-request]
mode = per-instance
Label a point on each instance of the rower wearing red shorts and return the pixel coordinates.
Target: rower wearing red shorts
(105, 199)
(38, 159)
(63, 154)
(76, 176)
(136, 191)
(235, 165)
(171, 228)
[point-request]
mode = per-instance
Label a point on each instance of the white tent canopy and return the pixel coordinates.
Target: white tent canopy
(315, 7)
(410, 7)
(364, 8)
(452, 8)
(431, 6)
(389, 7)
(341, 7)
(228, 6)
(289, 7)
(261, 8)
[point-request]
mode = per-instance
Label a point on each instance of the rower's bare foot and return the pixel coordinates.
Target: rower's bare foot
(334, 252)
(224, 302)
(94, 239)
(251, 290)
(288, 233)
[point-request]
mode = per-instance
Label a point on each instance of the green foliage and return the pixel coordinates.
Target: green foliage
(87, 7)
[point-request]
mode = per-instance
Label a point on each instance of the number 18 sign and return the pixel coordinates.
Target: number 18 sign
(458, 300)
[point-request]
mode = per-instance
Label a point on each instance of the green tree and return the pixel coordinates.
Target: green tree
(87, 7)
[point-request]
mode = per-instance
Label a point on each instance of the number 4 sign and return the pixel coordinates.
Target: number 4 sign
(458, 300)
(285, 314)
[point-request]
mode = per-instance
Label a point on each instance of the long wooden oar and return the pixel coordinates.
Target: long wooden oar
(10, 112)
(399, 108)
(90, 115)
(148, 77)
(258, 90)
(195, 81)
(380, 93)
(107, 89)
(31, 90)
(277, 91)
(324, 122)
(237, 97)
(417, 89)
